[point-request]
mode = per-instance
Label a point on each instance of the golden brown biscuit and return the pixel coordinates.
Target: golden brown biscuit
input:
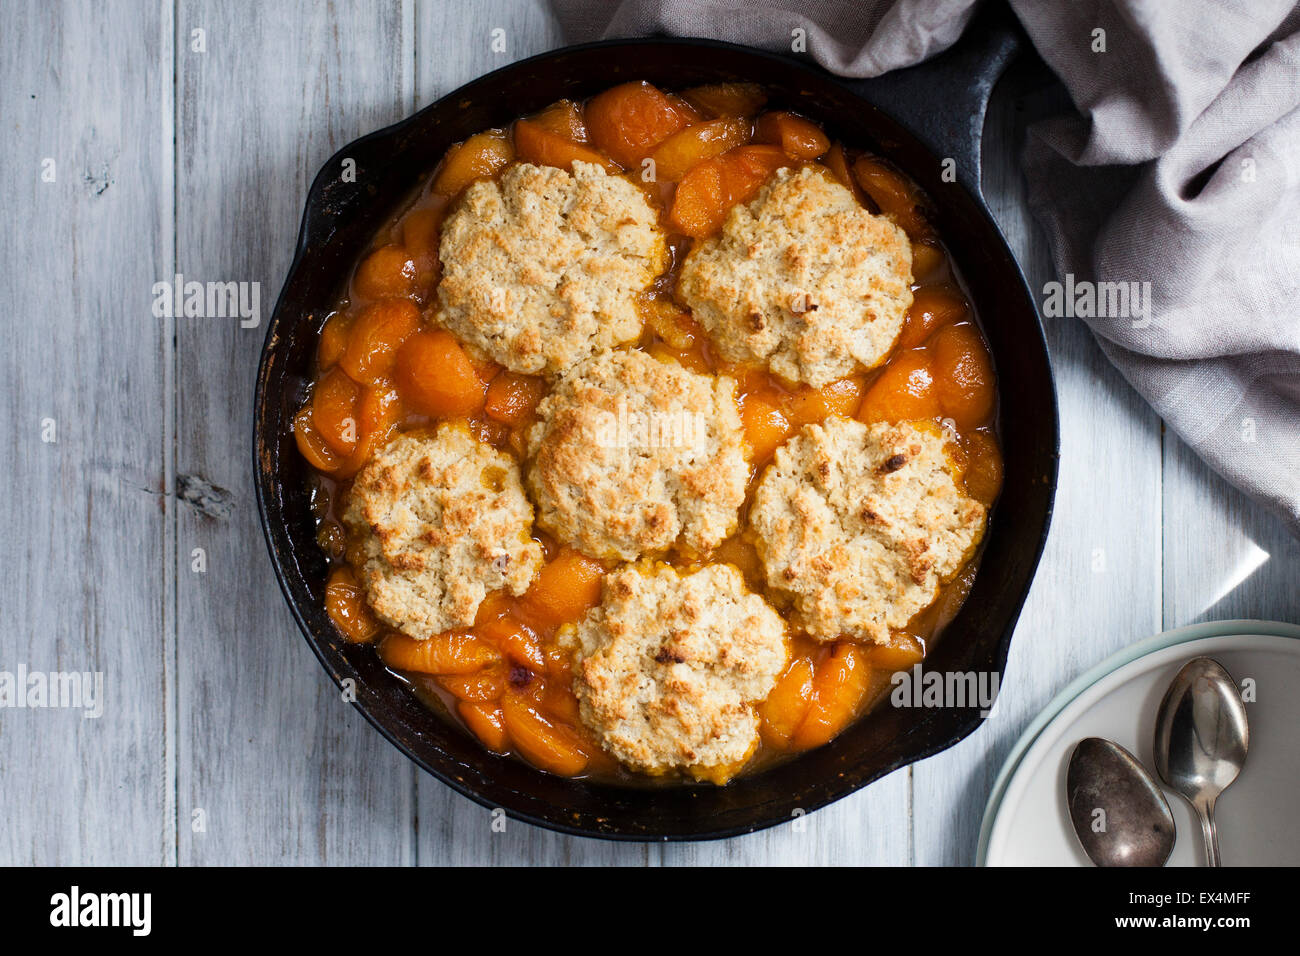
(860, 524)
(670, 667)
(440, 521)
(543, 268)
(632, 455)
(803, 278)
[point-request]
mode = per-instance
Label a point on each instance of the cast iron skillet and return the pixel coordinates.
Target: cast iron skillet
(942, 106)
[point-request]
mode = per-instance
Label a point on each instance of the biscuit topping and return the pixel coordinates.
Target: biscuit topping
(442, 520)
(543, 268)
(862, 524)
(804, 278)
(633, 455)
(669, 668)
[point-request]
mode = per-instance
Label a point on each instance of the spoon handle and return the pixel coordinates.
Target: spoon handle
(1206, 812)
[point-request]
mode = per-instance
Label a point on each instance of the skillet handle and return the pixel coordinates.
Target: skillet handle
(942, 101)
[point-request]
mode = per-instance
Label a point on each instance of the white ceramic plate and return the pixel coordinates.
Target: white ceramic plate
(1026, 823)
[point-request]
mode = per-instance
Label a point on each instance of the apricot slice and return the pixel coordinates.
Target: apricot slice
(726, 99)
(496, 604)
(345, 603)
(487, 723)
(667, 320)
(841, 397)
(331, 539)
(766, 427)
(559, 703)
(333, 339)
(540, 742)
(420, 233)
(706, 194)
(798, 137)
(563, 118)
(310, 443)
(497, 434)
(511, 397)
(904, 391)
(893, 195)
(838, 164)
(684, 150)
(963, 375)
(437, 378)
(484, 367)
(451, 652)
(630, 120)
(926, 259)
(902, 651)
(377, 334)
(377, 411)
(481, 686)
(558, 664)
(388, 272)
(692, 358)
(543, 148)
(787, 705)
(516, 640)
(334, 411)
(741, 553)
(839, 688)
(566, 588)
(481, 156)
(983, 471)
(932, 306)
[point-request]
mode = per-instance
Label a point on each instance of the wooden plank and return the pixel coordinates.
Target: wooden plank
(86, 522)
(282, 769)
(1098, 586)
(1224, 555)
(457, 42)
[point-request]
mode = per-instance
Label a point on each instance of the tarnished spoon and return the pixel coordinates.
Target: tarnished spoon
(1201, 740)
(1118, 811)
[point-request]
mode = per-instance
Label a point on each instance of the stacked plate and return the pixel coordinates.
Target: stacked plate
(1026, 822)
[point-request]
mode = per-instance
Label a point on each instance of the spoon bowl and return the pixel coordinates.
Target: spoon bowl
(1119, 814)
(1201, 740)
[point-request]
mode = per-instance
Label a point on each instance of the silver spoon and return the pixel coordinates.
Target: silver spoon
(1201, 740)
(1118, 812)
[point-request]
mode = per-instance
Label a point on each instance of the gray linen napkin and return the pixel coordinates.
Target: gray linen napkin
(1178, 180)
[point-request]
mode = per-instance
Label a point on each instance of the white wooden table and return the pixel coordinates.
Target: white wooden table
(182, 138)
